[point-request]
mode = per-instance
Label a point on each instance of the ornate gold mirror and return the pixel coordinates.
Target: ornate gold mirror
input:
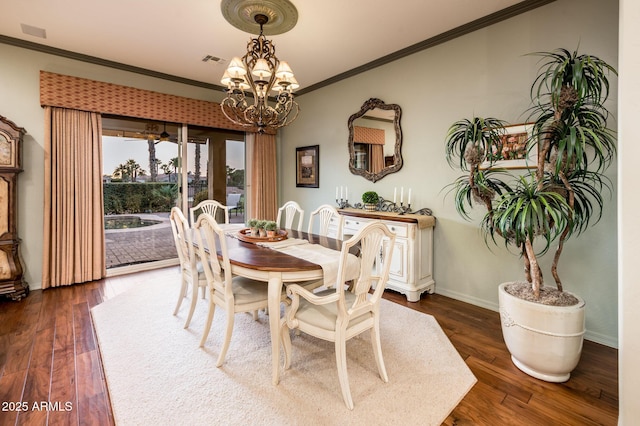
(375, 140)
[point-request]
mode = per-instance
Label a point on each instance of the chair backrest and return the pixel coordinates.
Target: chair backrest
(325, 213)
(232, 200)
(211, 240)
(290, 208)
(375, 246)
(182, 238)
(210, 207)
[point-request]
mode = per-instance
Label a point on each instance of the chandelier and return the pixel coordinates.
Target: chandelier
(261, 72)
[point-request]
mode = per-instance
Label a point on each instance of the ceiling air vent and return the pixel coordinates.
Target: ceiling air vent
(211, 58)
(34, 31)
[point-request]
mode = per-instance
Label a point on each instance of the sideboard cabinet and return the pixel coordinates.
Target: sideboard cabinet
(11, 271)
(411, 271)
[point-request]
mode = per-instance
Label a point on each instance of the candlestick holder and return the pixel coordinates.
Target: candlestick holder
(391, 207)
(402, 209)
(343, 204)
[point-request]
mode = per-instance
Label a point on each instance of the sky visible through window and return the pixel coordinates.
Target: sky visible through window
(118, 150)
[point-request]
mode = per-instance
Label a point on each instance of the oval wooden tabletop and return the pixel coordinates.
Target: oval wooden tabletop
(260, 258)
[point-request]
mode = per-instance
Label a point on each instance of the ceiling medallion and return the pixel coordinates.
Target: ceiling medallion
(282, 15)
(260, 70)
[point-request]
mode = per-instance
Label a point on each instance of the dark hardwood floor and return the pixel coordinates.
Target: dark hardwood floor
(51, 373)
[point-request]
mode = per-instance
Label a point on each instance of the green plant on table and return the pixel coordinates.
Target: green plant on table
(370, 197)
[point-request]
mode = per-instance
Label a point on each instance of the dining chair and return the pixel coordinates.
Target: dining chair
(190, 268)
(233, 201)
(327, 215)
(211, 207)
(289, 211)
(233, 294)
(338, 314)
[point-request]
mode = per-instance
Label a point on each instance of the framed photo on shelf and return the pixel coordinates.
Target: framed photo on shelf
(307, 166)
(512, 152)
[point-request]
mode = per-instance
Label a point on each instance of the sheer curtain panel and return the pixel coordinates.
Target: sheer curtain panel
(74, 246)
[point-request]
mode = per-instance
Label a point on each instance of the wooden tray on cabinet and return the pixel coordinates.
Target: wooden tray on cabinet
(245, 235)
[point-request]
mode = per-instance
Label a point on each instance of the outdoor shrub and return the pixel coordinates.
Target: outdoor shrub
(122, 198)
(200, 196)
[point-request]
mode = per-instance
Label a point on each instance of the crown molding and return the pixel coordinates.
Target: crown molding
(104, 62)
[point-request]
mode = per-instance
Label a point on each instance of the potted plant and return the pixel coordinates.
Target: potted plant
(271, 227)
(543, 326)
(370, 200)
(260, 225)
(252, 224)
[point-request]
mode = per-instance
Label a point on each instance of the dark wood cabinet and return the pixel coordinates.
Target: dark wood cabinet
(12, 282)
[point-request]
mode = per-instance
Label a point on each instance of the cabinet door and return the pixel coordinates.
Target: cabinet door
(399, 269)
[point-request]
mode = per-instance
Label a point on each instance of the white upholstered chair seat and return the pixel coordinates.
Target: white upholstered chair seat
(321, 318)
(247, 292)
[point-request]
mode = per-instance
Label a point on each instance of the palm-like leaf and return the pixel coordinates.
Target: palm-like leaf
(526, 213)
(481, 133)
(490, 181)
(579, 139)
(585, 73)
(588, 202)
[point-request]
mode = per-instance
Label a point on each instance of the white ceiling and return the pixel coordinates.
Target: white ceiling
(172, 36)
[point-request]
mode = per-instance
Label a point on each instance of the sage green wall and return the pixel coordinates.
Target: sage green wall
(484, 73)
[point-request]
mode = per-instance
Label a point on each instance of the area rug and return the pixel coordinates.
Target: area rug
(157, 374)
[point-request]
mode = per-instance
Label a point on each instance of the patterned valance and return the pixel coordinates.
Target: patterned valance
(106, 98)
(368, 135)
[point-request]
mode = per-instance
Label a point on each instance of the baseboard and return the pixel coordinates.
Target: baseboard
(139, 267)
(589, 335)
(34, 285)
(468, 299)
(602, 339)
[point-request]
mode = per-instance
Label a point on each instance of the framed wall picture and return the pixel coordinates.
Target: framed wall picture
(307, 166)
(512, 151)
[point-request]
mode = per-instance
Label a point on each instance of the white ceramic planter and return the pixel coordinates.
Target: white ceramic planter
(544, 341)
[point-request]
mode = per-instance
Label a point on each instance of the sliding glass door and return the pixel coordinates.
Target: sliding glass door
(149, 167)
(141, 181)
(222, 155)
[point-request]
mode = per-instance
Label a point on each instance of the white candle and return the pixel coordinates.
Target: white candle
(341, 192)
(409, 198)
(395, 190)
(346, 192)
(401, 193)
(336, 192)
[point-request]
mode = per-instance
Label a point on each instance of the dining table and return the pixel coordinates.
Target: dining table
(275, 268)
